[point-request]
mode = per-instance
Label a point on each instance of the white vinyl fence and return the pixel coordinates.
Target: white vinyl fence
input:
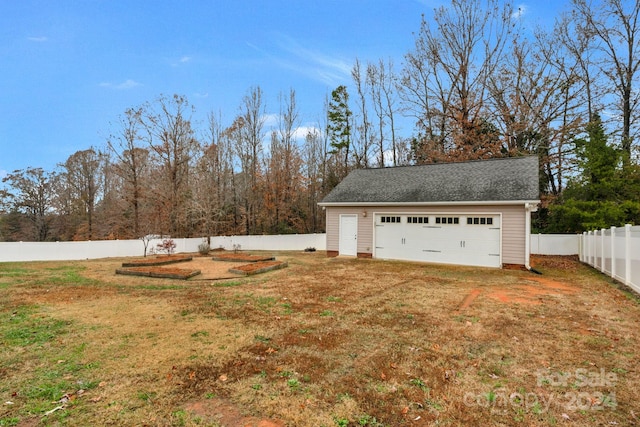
(555, 244)
(615, 252)
(66, 251)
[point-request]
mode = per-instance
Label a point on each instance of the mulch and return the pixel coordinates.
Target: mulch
(159, 272)
(240, 257)
(162, 260)
(258, 267)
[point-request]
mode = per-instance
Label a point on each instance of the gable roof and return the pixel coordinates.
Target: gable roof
(508, 179)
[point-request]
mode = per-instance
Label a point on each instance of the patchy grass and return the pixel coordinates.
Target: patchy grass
(325, 342)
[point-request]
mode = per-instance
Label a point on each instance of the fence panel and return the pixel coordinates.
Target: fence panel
(620, 251)
(555, 244)
(606, 252)
(69, 251)
(634, 250)
(615, 252)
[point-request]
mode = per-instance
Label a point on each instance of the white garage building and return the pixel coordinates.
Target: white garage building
(469, 213)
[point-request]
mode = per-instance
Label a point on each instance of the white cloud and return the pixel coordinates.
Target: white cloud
(519, 11)
(185, 59)
(39, 39)
(127, 84)
(302, 132)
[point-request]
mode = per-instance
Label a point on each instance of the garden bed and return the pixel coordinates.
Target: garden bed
(162, 260)
(258, 267)
(159, 272)
(241, 257)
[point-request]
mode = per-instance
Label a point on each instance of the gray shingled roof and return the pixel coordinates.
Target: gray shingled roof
(504, 179)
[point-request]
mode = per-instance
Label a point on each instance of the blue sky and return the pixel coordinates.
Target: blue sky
(69, 69)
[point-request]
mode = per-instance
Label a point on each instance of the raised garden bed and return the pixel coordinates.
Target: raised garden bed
(258, 267)
(157, 261)
(159, 272)
(240, 257)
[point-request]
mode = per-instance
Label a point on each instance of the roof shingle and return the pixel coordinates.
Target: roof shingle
(504, 179)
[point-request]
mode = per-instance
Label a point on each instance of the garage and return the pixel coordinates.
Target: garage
(475, 213)
(469, 239)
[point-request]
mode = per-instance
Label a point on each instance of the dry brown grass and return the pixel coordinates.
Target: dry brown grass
(331, 341)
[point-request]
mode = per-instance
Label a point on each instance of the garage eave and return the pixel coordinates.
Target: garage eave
(527, 203)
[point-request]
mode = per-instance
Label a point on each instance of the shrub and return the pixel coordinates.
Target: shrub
(167, 245)
(204, 248)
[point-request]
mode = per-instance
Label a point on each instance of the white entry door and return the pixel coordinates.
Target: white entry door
(348, 243)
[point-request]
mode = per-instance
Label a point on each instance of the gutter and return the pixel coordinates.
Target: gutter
(444, 203)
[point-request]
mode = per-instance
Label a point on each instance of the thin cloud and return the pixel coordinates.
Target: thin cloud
(323, 67)
(182, 60)
(40, 39)
(320, 66)
(127, 84)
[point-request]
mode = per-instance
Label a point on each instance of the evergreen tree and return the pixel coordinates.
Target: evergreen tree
(339, 127)
(605, 194)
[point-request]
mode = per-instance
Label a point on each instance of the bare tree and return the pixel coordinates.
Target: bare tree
(83, 175)
(615, 25)
(246, 134)
(283, 170)
(31, 193)
(314, 157)
(132, 164)
(171, 139)
(445, 77)
(381, 83)
(361, 145)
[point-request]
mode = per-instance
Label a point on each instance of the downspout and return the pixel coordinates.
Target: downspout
(528, 208)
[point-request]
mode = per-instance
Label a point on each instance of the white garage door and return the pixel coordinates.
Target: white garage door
(448, 239)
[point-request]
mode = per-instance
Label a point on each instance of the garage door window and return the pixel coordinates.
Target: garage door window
(390, 219)
(479, 221)
(447, 220)
(418, 220)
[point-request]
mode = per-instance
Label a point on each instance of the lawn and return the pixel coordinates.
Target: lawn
(324, 342)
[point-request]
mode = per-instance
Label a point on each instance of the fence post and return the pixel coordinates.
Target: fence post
(602, 250)
(613, 252)
(627, 254)
(594, 234)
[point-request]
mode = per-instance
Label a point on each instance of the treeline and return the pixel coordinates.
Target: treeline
(477, 84)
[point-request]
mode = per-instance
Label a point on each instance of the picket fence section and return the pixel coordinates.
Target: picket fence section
(615, 252)
(68, 251)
